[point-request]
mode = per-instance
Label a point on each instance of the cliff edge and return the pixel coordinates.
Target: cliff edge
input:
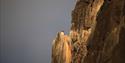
(97, 34)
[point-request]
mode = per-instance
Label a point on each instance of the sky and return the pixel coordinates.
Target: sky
(27, 28)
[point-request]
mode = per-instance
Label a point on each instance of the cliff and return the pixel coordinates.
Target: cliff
(97, 34)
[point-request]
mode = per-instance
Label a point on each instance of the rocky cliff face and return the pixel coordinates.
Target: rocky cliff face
(97, 34)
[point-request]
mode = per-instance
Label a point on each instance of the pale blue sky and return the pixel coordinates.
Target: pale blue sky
(27, 28)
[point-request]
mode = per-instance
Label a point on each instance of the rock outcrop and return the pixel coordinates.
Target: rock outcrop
(97, 34)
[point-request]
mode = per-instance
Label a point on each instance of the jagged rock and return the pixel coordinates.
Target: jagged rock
(61, 49)
(97, 34)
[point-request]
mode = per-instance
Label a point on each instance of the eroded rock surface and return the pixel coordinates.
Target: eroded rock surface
(97, 34)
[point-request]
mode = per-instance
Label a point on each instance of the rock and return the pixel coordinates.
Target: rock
(97, 34)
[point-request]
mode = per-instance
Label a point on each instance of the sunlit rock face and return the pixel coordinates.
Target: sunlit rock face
(61, 49)
(97, 34)
(70, 48)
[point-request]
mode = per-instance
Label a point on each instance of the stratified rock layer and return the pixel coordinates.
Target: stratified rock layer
(97, 34)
